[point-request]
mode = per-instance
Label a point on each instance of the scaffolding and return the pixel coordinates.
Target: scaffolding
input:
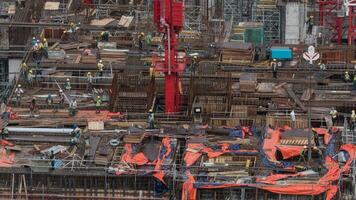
(192, 16)
(331, 16)
(270, 16)
(238, 10)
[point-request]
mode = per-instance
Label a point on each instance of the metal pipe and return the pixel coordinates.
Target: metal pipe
(169, 50)
(39, 130)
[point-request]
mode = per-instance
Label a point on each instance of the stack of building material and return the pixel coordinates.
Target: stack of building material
(267, 4)
(237, 53)
(113, 55)
(74, 45)
(125, 21)
(54, 56)
(89, 56)
(134, 138)
(107, 22)
(248, 82)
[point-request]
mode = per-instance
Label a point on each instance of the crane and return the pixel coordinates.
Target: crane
(168, 17)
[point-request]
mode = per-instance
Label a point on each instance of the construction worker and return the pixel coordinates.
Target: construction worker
(148, 42)
(61, 98)
(97, 104)
(45, 47)
(321, 66)
(33, 41)
(24, 70)
(89, 82)
(100, 66)
(49, 99)
(274, 68)
(353, 120)
(33, 107)
(151, 119)
(30, 77)
(4, 133)
(140, 40)
(73, 107)
(333, 115)
(310, 24)
(104, 36)
(194, 64)
(18, 93)
(347, 77)
(77, 132)
(67, 85)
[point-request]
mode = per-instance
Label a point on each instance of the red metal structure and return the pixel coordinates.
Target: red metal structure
(168, 16)
(352, 21)
(328, 16)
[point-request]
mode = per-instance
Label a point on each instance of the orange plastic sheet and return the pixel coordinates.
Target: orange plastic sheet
(138, 159)
(350, 149)
(193, 153)
(6, 159)
(165, 144)
(269, 144)
(188, 191)
(160, 174)
(290, 151)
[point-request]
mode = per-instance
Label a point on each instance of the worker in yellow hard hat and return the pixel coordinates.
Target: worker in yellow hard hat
(140, 40)
(151, 119)
(98, 104)
(100, 67)
(273, 65)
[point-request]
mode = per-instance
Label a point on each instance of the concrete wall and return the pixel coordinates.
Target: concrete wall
(295, 22)
(14, 67)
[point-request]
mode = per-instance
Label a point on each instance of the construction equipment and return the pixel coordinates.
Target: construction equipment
(168, 16)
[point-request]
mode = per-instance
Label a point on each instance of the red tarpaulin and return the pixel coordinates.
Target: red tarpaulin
(350, 149)
(290, 151)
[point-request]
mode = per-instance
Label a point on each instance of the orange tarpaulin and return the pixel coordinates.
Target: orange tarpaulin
(160, 175)
(6, 159)
(138, 159)
(325, 132)
(188, 190)
(290, 151)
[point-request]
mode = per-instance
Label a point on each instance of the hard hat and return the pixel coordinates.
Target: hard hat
(274, 59)
(150, 110)
(72, 23)
(346, 72)
(33, 38)
(67, 79)
(195, 57)
(89, 72)
(142, 33)
(60, 90)
(19, 85)
(44, 39)
(311, 16)
(38, 40)
(353, 111)
(33, 97)
(98, 97)
(100, 61)
(30, 71)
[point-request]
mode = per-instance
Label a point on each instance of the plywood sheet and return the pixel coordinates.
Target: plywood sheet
(50, 5)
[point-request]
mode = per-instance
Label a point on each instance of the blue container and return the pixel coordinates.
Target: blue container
(281, 53)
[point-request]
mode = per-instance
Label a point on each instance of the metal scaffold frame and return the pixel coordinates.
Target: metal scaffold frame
(238, 10)
(329, 16)
(352, 19)
(192, 16)
(271, 18)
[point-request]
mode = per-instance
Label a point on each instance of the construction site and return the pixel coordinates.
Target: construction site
(178, 99)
